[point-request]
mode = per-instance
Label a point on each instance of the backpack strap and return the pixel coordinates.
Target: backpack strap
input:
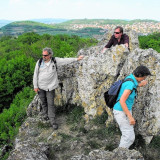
(53, 59)
(129, 79)
(55, 62)
(39, 63)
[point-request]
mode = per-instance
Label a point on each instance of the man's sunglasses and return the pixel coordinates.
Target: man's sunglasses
(117, 32)
(45, 55)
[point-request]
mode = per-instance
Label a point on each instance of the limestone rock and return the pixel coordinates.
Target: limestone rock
(29, 150)
(96, 74)
(34, 107)
(117, 154)
(84, 83)
(147, 107)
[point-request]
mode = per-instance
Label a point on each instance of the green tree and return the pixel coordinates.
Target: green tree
(19, 55)
(14, 75)
(150, 41)
(12, 118)
(29, 38)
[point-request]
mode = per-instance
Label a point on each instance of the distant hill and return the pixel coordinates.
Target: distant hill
(44, 20)
(80, 27)
(141, 26)
(20, 27)
(104, 21)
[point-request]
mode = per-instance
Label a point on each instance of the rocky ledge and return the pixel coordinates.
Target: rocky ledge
(83, 84)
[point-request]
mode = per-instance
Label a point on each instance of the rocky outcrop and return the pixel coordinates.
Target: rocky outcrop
(117, 154)
(84, 84)
(99, 71)
(29, 150)
(147, 107)
(38, 141)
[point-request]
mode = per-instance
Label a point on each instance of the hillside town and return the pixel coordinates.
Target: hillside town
(80, 27)
(144, 28)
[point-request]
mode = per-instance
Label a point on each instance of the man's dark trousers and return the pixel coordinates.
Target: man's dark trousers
(48, 108)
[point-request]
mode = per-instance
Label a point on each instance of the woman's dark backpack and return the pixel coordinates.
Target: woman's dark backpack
(111, 95)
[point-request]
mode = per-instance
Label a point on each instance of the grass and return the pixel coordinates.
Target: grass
(43, 125)
(93, 144)
(75, 119)
(65, 136)
(155, 143)
(76, 114)
(104, 132)
(109, 147)
(100, 120)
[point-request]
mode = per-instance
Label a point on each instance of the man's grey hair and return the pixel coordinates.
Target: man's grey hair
(49, 50)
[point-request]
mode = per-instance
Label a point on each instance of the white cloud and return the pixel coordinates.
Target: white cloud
(139, 4)
(16, 2)
(52, 2)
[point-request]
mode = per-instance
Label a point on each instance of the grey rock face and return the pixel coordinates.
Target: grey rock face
(94, 78)
(96, 74)
(84, 84)
(146, 109)
(29, 150)
(34, 107)
(27, 147)
(117, 154)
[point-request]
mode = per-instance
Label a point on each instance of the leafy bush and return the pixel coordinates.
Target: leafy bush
(12, 118)
(14, 75)
(150, 41)
(17, 62)
(19, 55)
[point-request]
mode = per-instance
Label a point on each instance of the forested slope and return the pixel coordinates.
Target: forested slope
(18, 57)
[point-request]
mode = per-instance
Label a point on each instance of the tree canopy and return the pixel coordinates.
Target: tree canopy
(150, 41)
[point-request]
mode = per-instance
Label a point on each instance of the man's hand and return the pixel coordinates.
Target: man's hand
(126, 44)
(80, 57)
(36, 90)
(103, 50)
(143, 83)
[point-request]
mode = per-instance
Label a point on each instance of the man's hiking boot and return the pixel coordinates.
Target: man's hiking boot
(46, 118)
(55, 126)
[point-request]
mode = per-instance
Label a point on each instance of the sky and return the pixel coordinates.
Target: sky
(79, 9)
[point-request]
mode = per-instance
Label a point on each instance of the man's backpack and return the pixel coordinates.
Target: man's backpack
(52, 60)
(111, 95)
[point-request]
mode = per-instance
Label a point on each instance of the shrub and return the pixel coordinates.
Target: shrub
(150, 41)
(12, 118)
